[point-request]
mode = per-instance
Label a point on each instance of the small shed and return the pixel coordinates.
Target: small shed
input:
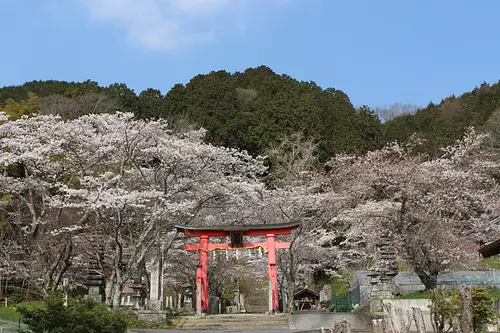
(305, 299)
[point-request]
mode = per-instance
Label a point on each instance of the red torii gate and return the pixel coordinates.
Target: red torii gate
(237, 232)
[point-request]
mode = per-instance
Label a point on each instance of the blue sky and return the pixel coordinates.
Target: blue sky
(377, 51)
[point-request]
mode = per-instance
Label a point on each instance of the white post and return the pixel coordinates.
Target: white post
(270, 288)
(154, 287)
(65, 285)
(198, 299)
(162, 264)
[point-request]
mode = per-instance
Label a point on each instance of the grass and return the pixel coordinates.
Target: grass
(424, 294)
(492, 262)
(495, 292)
(10, 311)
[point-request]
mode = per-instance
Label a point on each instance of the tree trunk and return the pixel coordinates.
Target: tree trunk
(108, 290)
(117, 295)
(290, 291)
(429, 279)
(466, 321)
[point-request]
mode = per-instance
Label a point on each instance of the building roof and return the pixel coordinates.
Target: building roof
(305, 292)
(492, 248)
(239, 227)
(127, 289)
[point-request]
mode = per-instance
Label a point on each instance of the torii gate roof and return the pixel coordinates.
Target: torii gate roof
(246, 229)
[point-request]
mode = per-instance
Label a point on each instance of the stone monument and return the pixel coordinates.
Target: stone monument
(155, 301)
(154, 309)
(325, 295)
(95, 282)
(385, 269)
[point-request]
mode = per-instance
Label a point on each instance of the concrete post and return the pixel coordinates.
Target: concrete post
(198, 298)
(154, 288)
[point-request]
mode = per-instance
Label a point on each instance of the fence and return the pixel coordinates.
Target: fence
(341, 303)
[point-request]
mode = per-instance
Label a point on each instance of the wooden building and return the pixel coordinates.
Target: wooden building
(305, 299)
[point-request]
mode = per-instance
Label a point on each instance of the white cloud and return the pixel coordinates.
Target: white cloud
(166, 24)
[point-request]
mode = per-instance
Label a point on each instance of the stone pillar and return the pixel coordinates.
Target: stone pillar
(95, 282)
(198, 299)
(137, 297)
(155, 303)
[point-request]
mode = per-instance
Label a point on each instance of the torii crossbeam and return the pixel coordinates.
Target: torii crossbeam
(237, 232)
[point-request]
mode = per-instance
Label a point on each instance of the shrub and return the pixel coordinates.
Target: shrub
(446, 305)
(482, 310)
(80, 316)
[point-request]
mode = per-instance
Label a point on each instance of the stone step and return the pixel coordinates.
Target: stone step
(235, 322)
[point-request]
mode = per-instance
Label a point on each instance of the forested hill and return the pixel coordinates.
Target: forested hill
(441, 124)
(254, 109)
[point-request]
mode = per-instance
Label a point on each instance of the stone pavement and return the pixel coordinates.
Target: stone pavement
(228, 322)
(213, 331)
(259, 323)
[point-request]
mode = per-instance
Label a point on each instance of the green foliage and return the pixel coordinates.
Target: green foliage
(446, 305)
(251, 110)
(46, 88)
(483, 312)
(254, 109)
(5, 196)
(80, 316)
(9, 312)
(12, 309)
(424, 294)
(16, 110)
(403, 267)
(340, 287)
(492, 262)
(444, 123)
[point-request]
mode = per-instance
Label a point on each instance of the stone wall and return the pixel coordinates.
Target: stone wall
(407, 306)
(156, 316)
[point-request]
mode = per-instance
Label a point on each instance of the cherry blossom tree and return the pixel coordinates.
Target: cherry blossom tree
(120, 183)
(300, 193)
(312, 247)
(436, 210)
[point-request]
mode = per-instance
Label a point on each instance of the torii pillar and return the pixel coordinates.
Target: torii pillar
(237, 232)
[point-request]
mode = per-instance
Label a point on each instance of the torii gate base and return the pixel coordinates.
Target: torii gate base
(236, 232)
